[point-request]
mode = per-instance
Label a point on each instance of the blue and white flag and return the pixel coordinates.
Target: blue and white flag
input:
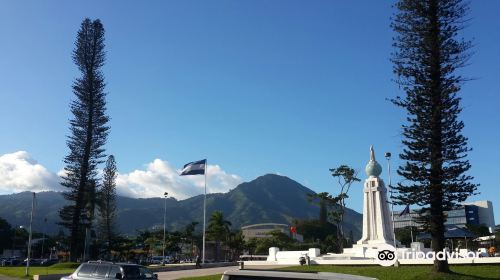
(194, 168)
(406, 211)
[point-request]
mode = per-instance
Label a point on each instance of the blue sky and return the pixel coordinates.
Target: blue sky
(288, 87)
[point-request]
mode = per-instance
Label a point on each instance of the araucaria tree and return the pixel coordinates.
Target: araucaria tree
(107, 204)
(427, 55)
(88, 132)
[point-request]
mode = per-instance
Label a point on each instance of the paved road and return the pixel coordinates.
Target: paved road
(3, 277)
(168, 275)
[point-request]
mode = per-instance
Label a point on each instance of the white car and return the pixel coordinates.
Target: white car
(159, 259)
(156, 259)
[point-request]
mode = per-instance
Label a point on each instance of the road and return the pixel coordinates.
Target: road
(3, 277)
(168, 275)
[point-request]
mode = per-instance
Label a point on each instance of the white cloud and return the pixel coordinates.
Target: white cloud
(160, 176)
(20, 172)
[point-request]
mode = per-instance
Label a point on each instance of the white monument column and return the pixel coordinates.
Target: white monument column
(377, 223)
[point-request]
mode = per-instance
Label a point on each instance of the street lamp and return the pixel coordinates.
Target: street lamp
(388, 157)
(164, 226)
(30, 235)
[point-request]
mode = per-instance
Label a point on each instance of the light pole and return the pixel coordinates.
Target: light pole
(388, 157)
(164, 226)
(29, 239)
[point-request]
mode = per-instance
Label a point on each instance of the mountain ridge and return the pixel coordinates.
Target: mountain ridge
(268, 198)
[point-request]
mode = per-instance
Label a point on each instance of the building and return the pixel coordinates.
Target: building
(485, 213)
(473, 213)
(263, 230)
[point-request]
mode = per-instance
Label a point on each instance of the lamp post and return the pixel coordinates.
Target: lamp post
(164, 226)
(29, 239)
(388, 157)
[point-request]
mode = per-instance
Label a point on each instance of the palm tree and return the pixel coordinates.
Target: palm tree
(218, 230)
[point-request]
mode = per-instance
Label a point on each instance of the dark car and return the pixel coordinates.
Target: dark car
(33, 262)
(10, 261)
(109, 270)
(47, 262)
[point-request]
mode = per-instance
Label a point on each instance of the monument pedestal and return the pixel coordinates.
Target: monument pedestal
(364, 250)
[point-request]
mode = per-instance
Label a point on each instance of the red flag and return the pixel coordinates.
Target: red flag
(293, 230)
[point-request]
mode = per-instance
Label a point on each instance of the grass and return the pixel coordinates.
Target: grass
(18, 271)
(465, 272)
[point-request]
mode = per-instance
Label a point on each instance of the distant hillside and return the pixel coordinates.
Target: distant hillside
(269, 198)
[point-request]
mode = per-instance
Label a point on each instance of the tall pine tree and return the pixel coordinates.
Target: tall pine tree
(88, 132)
(427, 56)
(107, 205)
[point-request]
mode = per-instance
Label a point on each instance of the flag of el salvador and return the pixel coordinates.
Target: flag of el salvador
(194, 168)
(406, 211)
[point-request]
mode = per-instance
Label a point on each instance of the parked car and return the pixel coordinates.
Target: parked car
(186, 260)
(159, 259)
(170, 259)
(33, 262)
(156, 259)
(10, 262)
(109, 270)
(47, 262)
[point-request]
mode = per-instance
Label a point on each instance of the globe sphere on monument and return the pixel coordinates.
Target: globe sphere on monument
(373, 168)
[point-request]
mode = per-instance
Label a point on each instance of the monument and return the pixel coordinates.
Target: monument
(377, 221)
(377, 226)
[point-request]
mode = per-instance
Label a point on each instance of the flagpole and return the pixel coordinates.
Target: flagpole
(388, 157)
(411, 226)
(204, 211)
(29, 239)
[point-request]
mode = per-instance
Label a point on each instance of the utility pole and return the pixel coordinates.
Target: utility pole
(164, 226)
(29, 239)
(388, 157)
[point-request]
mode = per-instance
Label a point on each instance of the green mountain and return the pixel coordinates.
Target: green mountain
(269, 198)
